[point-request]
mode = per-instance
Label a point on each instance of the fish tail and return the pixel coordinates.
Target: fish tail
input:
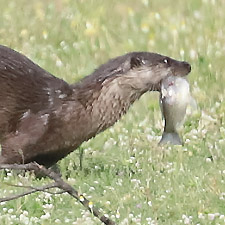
(171, 138)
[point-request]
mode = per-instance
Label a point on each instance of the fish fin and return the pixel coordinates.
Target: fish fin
(171, 138)
(192, 107)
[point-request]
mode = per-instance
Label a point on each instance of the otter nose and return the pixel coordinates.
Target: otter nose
(188, 66)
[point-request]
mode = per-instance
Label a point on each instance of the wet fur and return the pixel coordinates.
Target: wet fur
(43, 119)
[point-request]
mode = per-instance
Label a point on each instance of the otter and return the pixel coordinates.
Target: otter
(43, 118)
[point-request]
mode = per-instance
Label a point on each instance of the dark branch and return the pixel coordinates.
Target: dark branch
(28, 186)
(54, 185)
(36, 189)
(60, 184)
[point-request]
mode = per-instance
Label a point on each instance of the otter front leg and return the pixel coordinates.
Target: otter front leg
(13, 149)
(17, 146)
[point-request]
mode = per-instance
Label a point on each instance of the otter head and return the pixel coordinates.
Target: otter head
(140, 71)
(144, 70)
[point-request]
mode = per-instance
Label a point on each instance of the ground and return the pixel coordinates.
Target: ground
(124, 171)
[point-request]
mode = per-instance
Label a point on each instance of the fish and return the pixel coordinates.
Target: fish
(174, 99)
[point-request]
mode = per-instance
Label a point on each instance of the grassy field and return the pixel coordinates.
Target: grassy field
(125, 172)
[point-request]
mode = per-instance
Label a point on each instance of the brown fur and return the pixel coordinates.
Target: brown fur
(43, 119)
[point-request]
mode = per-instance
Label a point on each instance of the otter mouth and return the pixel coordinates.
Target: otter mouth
(182, 70)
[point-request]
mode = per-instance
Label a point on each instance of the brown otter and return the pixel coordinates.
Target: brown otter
(43, 119)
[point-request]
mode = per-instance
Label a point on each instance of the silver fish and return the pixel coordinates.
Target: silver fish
(174, 98)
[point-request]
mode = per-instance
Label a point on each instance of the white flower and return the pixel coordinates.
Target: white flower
(45, 216)
(211, 216)
(187, 219)
(150, 203)
(24, 219)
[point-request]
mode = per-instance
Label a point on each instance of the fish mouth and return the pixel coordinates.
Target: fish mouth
(182, 70)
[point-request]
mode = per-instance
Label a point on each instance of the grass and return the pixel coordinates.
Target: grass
(124, 171)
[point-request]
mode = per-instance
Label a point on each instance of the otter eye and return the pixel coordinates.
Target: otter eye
(165, 61)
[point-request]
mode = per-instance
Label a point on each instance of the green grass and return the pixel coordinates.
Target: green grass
(124, 171)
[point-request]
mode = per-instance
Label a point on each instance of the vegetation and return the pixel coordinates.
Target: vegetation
(124, 171)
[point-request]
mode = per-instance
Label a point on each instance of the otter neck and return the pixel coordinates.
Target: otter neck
(105, 104)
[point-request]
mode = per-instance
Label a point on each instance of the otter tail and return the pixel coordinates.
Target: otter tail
(171, 138)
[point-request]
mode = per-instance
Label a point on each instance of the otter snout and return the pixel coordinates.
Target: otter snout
(188, 67)
(181, 68)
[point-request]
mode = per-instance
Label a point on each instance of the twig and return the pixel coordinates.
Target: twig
(37, 188)
(48, 186)
(26, 186)
(62, 185)
(81, 156)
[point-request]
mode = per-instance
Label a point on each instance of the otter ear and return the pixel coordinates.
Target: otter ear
(135, 62)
